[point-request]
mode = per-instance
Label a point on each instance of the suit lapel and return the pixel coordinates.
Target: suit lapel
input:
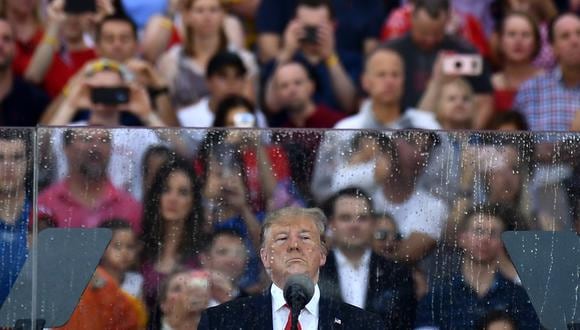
(329, 315)
(373, 280)
(261, 318)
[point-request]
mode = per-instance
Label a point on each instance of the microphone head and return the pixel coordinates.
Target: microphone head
(298, 291)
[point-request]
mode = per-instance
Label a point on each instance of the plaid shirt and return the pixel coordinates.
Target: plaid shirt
(547, 103)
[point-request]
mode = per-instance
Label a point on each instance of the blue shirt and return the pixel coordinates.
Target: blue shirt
(13, 250)
(547, 103)
(453, 304)
(356, 21)
(252, 274)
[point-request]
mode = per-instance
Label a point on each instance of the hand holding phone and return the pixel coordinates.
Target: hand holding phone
(463, 65)
(80, 6)
(110, 95)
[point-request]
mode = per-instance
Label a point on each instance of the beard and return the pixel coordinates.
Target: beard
(94, 166)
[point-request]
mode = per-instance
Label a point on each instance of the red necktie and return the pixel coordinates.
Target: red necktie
(289, 321)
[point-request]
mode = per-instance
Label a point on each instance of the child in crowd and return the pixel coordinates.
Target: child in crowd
(120, 258)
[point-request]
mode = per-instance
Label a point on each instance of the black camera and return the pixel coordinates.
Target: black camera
(310, 34)
(110, 95)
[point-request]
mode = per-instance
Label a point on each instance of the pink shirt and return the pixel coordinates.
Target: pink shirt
(59, 205)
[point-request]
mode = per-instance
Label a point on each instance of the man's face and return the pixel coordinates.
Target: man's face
(352, 224)
(7, 45)
(228, 256)
(293, 87)
(106, 78)
(12, 165)
(482, 238)
(227, 82)
(426, 31)
(384, 77)
(117, 41)
(292, 246)
(89, 153)
(566, 43)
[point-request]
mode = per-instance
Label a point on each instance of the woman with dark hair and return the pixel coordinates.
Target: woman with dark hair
(171, 226)
(519, 44)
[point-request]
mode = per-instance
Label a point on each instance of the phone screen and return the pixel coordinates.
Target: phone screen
(110, 95)
(80, 6)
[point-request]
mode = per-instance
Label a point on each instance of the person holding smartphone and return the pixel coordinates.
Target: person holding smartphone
(106, 92)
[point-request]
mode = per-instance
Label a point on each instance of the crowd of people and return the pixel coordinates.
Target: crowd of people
(162, 108)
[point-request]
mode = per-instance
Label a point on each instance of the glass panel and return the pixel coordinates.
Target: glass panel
(186, 209)
(16, 215)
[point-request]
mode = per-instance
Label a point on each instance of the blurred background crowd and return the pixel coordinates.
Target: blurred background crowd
(415, 192)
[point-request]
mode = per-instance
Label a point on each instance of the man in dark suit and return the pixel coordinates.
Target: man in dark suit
(355, 274)
(292, 243)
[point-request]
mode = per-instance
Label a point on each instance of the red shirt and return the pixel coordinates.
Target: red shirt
(323, 117)
(63, 67)
(25, 51)
(59, 205)
(399, 23)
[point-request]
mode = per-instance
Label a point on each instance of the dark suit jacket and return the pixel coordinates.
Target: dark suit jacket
(255, 313)
(390, 292)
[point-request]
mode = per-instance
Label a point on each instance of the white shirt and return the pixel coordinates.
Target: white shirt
(353, 280)
(421, 213)
(308, 317)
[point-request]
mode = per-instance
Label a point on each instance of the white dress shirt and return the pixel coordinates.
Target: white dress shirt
(353, 279)
(308, 317)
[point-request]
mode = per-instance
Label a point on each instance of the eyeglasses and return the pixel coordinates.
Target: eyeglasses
(383, 234)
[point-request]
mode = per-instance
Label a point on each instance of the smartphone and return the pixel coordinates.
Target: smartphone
(110, 95)
(310, 34)
(80, 6)
(244, 120)
(463, 65)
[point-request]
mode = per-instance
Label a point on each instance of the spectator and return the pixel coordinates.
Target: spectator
(226, 75)
(464, 298)
(184, 295)
(461, 24)
(116, 42)
(383, 80)
(292, 99)
(519, 39)
(357, 28)
(153, 159)
(225, 259)
(55, 62)
(24, 18)
(509, 121)
(227, 201)
(310, 38)
(172, 227)
(420, 48)
(118, 260)
(359, 276)
(15, 204)
(419, 215)
(184, 66)
(86, 196)
(121, 256)
(101, 112)
(495, 320)
(22, 104)
(265, 165)
(543, 13)
(550, 101)
(451, 99)
(103, 305)
(386, 236)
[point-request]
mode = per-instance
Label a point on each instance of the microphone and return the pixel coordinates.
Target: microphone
(298, 291)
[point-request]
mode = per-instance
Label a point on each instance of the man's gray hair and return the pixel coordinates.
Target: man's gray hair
(314, 213)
